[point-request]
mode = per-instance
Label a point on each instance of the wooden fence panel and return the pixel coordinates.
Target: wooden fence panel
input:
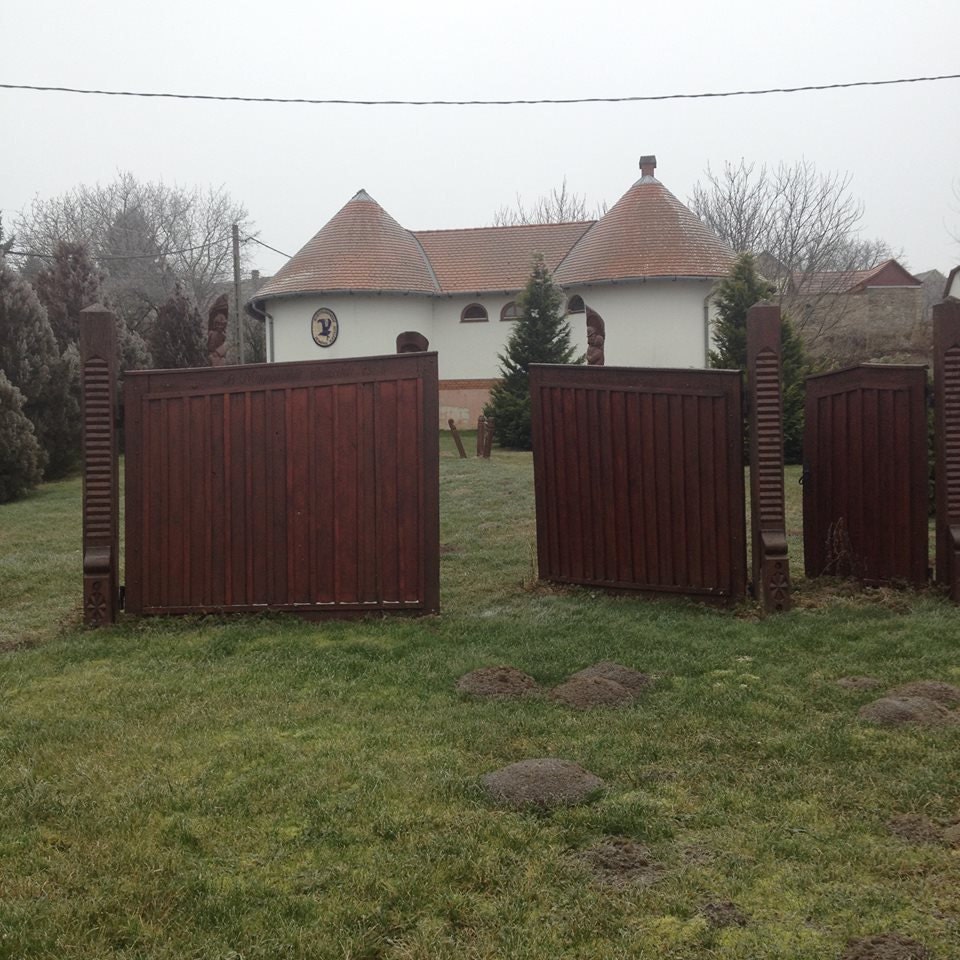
(865, 474)
(311, 487)
(639, 479)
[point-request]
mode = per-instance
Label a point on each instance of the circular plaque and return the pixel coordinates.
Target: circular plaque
(324, 327)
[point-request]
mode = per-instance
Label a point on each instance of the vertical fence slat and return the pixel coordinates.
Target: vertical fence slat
(771, 565)
(101, 525)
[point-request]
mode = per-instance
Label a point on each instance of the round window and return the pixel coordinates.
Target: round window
(324, 327)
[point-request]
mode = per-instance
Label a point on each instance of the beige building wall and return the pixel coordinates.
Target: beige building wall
(879, 323)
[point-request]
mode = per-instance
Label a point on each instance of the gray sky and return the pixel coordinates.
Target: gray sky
(295, 166)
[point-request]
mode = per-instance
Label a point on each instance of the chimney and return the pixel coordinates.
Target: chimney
(255, 276)
(647, 166)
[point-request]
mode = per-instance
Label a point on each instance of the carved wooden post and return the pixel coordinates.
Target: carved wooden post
(101, 528)
(456, 438)
(217, 318)
(771, 566)
(946, 374)
(488, 437)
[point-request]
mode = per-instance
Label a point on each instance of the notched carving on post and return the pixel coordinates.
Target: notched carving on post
(946, 361)
(101, 532)
(771, 565)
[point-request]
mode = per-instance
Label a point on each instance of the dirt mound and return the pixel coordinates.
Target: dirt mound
(633, 680)
(497, 683)
(886, 946)
(585, 693)
(697, 855)
(620, 861)
(723, 913)
(915, 828)
(897, 711)
(543, 783)
(859, 683)
(945, 693)
(951, 835)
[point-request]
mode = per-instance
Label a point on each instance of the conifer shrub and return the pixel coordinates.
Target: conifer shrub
(540, 335)
(20, 454)
(736, 294)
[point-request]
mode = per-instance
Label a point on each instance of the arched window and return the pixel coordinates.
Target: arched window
(510, 311)
(474, 313)
(575, 305)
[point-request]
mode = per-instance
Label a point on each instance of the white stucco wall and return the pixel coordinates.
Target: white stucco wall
(368, 325)
(659, 323)
(655, 324)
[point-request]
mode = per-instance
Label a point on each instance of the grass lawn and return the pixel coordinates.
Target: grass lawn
(270, 788)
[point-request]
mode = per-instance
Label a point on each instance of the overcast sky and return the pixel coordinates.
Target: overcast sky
(294, 166)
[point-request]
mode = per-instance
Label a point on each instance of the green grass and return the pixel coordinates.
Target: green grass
(269, 788)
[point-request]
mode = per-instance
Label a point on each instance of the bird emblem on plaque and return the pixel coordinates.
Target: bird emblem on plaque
(324, 328)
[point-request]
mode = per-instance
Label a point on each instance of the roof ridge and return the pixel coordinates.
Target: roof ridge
(506, 226)
(426, 260)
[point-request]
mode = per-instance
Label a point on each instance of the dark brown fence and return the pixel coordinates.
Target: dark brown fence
(865, 478)
(639, 478)
(311, 487)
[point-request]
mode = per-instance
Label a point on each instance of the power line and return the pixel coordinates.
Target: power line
(113, 257)
(267, 245)
(477, 103)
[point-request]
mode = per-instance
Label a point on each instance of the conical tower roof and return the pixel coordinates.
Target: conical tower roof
(361, 249)
(647, 233)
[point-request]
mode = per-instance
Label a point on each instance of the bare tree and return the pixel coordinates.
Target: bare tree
(145, 236)
(560, 205)
(802, 225)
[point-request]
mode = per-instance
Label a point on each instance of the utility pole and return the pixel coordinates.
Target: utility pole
(236, 290)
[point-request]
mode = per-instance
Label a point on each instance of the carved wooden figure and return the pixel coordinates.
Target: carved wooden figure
(771, 566)
(217, 318)
(101, 527)
(946, 367)
(596, 338)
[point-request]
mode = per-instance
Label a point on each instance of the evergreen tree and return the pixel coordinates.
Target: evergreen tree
(178, 337)
(47, 379)
(736, 294)
(66, 285)
(540, 335)
(19, 451)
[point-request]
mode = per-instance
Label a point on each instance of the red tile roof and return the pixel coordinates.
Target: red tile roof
(495, 258)
(647, 233)
(361, 248)
(886, 274)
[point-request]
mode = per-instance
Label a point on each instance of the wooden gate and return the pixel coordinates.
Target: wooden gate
(639, 478)
(310, 487)
(865, 474)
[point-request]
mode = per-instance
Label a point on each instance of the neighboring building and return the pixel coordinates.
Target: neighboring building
(859, 315)
(648, 267)
(934, 284)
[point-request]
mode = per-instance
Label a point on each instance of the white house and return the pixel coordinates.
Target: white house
(647, 267)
